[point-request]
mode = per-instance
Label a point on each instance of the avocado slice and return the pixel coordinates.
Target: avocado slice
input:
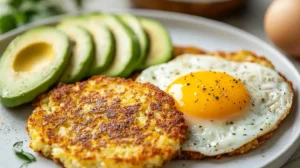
(81, 53)
(135, 25)
(103, 42)
(160, 49)
(31, 64)
(127, 46)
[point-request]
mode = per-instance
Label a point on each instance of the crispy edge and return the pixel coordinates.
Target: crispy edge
(238, 56)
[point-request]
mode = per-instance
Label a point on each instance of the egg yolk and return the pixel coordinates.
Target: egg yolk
(209, 95)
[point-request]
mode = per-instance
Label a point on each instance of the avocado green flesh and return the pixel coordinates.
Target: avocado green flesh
(31, 64)
(127, 46)
(134, 24)
(81, 53)
(160, 47)
(103, 42)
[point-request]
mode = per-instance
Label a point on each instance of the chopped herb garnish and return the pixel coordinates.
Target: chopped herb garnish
(28, 157)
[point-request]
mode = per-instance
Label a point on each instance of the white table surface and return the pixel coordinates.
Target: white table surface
(250, 19)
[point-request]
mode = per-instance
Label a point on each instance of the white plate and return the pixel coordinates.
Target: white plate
(185, 30)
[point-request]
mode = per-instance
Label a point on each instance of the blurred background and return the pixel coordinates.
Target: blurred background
(281, 26)
(245, 14)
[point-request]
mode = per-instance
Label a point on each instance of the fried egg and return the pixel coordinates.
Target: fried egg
(226, 104)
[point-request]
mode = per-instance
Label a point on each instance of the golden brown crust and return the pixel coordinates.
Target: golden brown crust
(239, 56)
(106, 113)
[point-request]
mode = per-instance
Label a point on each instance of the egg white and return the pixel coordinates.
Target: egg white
(270, 101)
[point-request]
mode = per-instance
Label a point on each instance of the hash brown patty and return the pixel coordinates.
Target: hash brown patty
(106, 122)
(239, 56)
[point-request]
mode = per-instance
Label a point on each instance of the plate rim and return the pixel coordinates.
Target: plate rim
(293, 145)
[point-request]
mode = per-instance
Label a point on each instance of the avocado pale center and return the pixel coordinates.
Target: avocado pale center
(33, 56)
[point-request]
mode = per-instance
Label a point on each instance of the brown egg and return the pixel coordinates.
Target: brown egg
(282, 25)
